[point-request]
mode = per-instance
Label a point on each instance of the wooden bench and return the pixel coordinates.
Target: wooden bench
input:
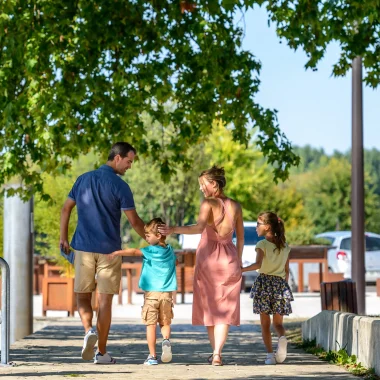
(339, 296)
(314, 280)
(303, 254)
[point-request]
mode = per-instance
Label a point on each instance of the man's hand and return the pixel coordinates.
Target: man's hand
(64, 245)
(65, 217)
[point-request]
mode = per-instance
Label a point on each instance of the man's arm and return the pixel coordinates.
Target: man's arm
(65, 217)
(136, 222)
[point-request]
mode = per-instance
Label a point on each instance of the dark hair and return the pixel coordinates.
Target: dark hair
(152, 227)
(277, 226)
(215, 174)
(121, 148)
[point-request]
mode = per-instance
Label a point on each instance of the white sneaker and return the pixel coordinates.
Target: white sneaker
(270, 359)
(89, 342)
(166, 355)
(104, 359)
(281, 349)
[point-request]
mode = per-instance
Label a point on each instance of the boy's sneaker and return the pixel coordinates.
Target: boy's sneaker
(281, 350)
(270, 359)
(151, 360)
(89, 342)
(166, 355)
(104, 359)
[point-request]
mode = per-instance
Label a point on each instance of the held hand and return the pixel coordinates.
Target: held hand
(112, 255)
(165, 230)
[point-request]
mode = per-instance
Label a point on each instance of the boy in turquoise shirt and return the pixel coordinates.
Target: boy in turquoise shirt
(158, 280)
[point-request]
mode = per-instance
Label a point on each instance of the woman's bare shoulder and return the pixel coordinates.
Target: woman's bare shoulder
(235, 204)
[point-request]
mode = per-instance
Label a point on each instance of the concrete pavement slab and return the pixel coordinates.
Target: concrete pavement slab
(54, 353)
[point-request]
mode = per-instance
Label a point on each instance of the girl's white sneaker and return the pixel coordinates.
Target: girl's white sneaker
(281, 349)
(270, 359)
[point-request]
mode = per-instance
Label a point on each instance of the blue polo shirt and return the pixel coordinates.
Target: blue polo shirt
(158, 272)
(100, 196)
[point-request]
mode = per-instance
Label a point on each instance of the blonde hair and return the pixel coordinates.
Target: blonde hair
(152, 227)
(277, 226)
(215, 174)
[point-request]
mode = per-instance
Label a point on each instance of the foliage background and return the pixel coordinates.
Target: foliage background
(315, 199)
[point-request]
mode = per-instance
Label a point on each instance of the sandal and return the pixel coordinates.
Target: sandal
(216, 362)
(209, 359)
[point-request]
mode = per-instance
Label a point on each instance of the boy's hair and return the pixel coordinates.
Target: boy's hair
(152, 227)
(277, 226)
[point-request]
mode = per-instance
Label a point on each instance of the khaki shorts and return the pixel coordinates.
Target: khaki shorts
(108, 273)
(158, 307)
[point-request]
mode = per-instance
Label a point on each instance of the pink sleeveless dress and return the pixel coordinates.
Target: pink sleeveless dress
(217, 277)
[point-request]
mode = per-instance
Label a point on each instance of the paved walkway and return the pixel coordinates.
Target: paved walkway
(54, 353)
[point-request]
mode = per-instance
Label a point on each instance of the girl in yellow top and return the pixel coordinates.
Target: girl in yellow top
(271, 293)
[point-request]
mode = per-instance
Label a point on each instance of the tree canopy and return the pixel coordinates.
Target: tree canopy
(79, 75)
(313, 25)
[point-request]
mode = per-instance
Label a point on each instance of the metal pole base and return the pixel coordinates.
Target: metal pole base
(10, 364)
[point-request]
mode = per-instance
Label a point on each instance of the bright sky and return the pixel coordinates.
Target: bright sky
(313, 107)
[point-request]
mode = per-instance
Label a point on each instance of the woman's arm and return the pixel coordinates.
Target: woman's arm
(197, 228)
(240, 235)
(257, 264)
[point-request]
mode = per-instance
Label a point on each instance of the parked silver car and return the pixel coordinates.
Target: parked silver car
(340, 257)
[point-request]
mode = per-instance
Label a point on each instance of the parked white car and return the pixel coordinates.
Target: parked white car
(249, 251)
(340, 257)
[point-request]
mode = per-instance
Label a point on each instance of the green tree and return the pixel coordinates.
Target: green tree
(372, 165)
(313, 25)
(47, 212)
(327, 197)
(47, 216)
(79, 75)
(248, 176)
(310, 158)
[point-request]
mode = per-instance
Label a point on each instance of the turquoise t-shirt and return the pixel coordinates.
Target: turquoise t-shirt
(158, 272)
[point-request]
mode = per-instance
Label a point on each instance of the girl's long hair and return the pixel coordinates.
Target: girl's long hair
(277, 226)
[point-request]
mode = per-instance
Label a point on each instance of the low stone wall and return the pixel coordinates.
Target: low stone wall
(359, 335)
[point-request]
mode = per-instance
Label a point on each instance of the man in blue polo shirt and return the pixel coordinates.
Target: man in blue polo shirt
(100, 196)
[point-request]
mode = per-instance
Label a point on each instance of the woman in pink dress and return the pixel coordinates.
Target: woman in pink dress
(217, 277)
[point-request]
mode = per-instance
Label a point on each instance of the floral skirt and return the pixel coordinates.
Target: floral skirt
(271, 295)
